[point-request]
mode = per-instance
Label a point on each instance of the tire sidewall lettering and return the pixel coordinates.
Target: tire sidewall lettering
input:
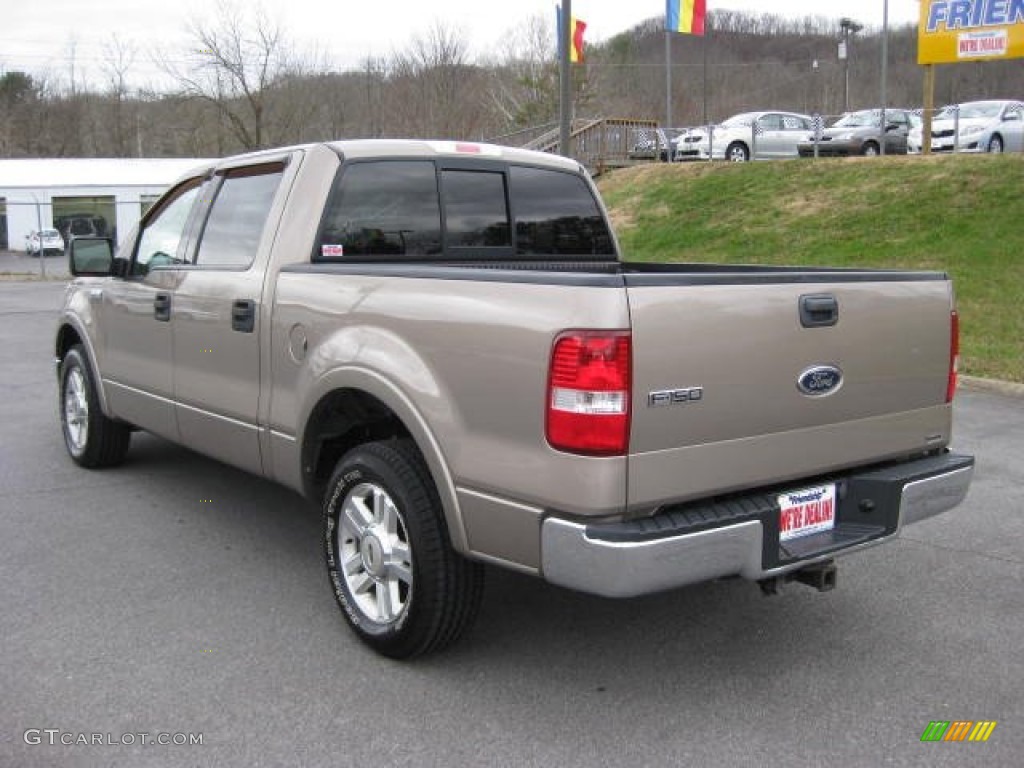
(346, 483)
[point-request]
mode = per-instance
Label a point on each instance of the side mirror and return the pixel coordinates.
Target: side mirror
(91, 257)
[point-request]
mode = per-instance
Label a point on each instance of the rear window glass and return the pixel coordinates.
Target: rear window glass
(474, 209)
(384, 209)
(556, 215)
(392, 209)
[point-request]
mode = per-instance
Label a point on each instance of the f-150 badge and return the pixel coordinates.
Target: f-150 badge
(820, 380)
(675, 396)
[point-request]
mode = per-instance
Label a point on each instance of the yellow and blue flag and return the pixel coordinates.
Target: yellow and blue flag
(685, 16)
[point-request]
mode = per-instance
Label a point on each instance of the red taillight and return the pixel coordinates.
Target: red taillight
(589, 393)
(954, 354)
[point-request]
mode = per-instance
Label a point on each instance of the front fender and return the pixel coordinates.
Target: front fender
(77, 318)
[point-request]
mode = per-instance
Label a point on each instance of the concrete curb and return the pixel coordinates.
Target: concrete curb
(22, 277)
(1008, 388)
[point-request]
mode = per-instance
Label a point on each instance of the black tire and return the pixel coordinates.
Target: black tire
(401, 587)
(995, 144)
(92, 439)
(737, 152)
(870, 149)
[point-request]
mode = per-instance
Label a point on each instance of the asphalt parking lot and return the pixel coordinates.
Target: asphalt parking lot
(20, 263)
(178, 596)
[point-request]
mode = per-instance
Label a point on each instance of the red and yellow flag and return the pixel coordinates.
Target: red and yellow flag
(576, 29)
(685, 16)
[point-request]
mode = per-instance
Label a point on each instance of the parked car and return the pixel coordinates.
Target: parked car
(81, 225)
(48, 241)
(750, 135)
(981, 126)
(654, 143)
(860, 133)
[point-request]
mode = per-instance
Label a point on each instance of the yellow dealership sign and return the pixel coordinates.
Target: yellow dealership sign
(970, 30)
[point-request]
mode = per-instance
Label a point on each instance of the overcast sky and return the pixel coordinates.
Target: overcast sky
(38, 36)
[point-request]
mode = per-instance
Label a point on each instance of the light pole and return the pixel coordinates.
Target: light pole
(849, 27)
(885, 69)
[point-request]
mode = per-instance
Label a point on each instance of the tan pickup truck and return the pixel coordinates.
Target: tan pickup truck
(439, 343)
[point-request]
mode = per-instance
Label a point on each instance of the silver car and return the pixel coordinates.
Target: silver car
(980, 126)
(747, 136)
(46, 242)
(860, 133)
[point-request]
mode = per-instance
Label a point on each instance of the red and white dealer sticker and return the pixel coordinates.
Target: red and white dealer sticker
(811, 510)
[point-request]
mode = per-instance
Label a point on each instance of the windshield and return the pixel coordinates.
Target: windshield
(863, 119)
(982, 109)
(739, 121)
(49, 233)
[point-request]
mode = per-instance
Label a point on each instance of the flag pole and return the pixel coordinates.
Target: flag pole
(565, 75)
(668, 78)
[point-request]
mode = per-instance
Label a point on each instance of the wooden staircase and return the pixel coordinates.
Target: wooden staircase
(600, 144)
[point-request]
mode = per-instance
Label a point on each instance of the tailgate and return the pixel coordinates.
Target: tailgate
(742, 380)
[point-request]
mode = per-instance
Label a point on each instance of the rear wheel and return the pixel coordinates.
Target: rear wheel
(870, 149)
(92, 439)
(995, 144)
(402, 588)
(737, 152)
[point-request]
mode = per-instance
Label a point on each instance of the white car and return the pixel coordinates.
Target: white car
(750, 135)
(982, 126)
(48, 241)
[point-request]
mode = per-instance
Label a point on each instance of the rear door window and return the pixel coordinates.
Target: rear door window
(238, 216)
(383, 209)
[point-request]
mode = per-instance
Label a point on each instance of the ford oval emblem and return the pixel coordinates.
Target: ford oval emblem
(820, 380)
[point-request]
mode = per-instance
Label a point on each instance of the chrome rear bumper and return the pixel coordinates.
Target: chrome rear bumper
(625, 559)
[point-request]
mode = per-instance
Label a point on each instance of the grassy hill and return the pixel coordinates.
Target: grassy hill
(960, 214)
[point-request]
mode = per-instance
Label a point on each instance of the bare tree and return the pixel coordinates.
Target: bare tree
(19, 103)
(235, 65)
(525, 82)
(435, 89)
(119, 58)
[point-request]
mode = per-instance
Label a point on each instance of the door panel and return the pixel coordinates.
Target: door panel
(217, 320)
(1015, 131)
(217, 369)
(136, 349)
(137, 354)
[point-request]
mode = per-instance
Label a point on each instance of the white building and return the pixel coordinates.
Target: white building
(80, 196)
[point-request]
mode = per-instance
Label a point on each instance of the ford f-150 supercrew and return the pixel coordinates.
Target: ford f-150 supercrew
(439, 344)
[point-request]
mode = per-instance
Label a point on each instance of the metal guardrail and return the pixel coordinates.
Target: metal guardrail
(700, 144)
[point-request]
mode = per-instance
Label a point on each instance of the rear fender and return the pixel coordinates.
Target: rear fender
(379, 362)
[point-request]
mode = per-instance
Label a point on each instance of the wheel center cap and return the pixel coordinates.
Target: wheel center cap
(372, 553)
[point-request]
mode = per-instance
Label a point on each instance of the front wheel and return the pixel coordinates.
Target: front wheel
(870, 149)
(92, 439)
(402, 588)
(737, 152)
(995, 144)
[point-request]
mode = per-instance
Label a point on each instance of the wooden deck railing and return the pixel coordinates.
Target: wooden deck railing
(600, 144)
